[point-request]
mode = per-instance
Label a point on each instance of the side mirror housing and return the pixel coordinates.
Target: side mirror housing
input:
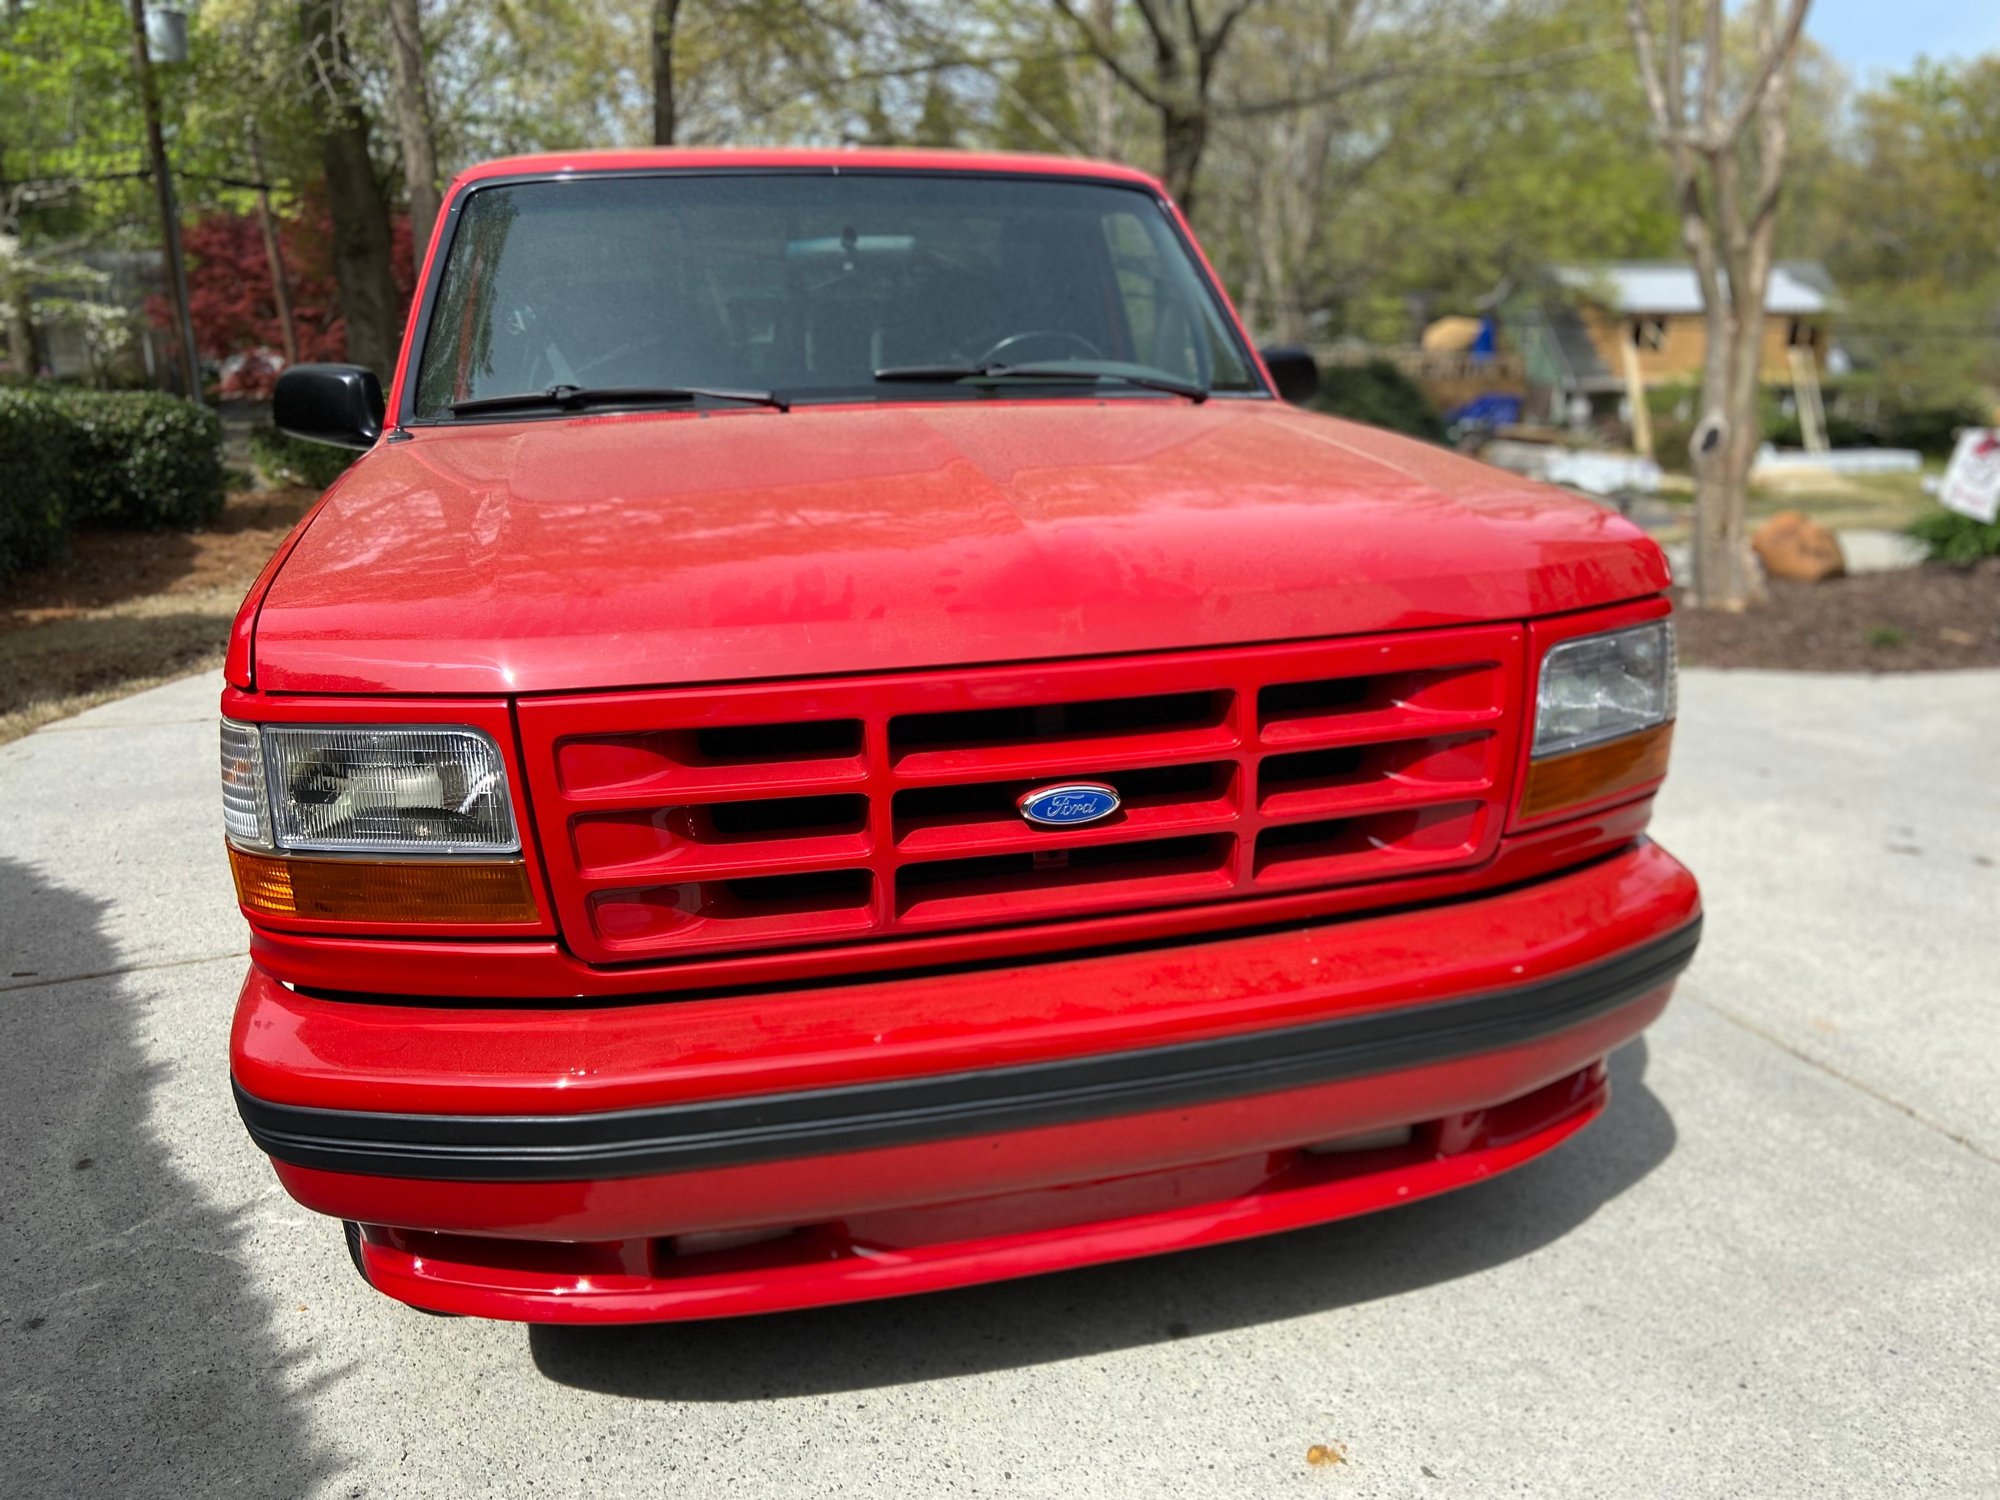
(1295, 373)
(337, 404)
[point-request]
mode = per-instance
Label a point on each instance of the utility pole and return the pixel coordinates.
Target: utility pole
(170, 214)
(272, 253)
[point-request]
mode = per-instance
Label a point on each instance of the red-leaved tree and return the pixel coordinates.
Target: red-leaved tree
(230, 296)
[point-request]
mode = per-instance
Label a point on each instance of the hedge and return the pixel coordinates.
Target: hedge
(288, 460)
(133, 459)
(142, 460)
(1860, 413)
(1379, 393)
(34, 473)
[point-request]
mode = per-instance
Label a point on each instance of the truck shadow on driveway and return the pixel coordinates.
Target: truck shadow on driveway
(1105, 1308)
(137, 1353)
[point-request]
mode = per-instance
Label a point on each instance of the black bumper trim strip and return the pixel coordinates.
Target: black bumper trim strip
(901, 1112)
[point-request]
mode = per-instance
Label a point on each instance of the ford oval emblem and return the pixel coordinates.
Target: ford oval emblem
(1068, 805)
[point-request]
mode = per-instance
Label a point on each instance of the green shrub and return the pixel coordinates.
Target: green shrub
(34, 482)
(1861, 412)
(283, 459)
(1954, 538)
(141, 460)
(1382, 395)
(1881, 423)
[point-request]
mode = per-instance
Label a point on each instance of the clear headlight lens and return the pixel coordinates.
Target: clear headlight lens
(366, 790)
(244, 816)
(1602, 687)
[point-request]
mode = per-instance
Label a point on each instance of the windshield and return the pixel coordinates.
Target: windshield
(816, 286)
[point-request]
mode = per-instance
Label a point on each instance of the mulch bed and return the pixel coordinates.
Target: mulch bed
(107, 569)
(129, 609)
(1925, 619)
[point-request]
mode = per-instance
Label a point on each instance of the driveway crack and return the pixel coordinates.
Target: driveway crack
(1849, 1079)
(39, 983)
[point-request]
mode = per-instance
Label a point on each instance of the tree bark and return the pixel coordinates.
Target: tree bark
(1183, 140)
(267, 226)
(169, 207)
(413, 120)
(361, 241)
(1729, 228)
(1179, 86)
(1104, 87)
(23, 348)
(666, 17)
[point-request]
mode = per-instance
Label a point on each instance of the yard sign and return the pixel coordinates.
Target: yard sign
(1972, 482)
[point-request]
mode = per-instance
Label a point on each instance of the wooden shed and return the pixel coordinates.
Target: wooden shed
(1655, 309)
(1604, 334)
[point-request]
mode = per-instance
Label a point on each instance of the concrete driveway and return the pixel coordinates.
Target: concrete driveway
(1770, 1270)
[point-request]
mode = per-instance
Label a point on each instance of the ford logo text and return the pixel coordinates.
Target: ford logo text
(1068, 805)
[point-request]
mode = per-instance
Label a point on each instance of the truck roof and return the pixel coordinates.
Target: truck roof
(860, 158)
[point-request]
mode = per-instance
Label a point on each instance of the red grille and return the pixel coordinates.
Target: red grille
(699, 821)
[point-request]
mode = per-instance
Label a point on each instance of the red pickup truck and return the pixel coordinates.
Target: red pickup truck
(845, 737)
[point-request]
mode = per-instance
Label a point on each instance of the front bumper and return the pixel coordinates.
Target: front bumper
(706, 1156)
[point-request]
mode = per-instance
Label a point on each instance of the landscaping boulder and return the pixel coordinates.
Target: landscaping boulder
(1793, 545)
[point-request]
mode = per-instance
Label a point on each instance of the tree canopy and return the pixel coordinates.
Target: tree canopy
(1354, 166)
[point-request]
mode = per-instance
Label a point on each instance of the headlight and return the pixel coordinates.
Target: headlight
(1604, 710)
(365, 791)
(373, 791)
(387, 791)
(413, 825)
(1604, 687)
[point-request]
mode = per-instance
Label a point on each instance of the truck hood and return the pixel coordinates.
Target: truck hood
(669, 548)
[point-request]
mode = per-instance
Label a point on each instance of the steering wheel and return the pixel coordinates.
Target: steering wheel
(1060, 335)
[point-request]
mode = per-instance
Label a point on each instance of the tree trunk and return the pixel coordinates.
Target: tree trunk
(24, 350)
(1722, 574)
(267, 226)
(1104, 87)
(413, 121)
(1183, 138)
(361, 243)
(1728, 233)
(666, 15)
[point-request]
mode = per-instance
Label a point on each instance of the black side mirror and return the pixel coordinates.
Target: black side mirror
(337, 404)
(1294, 372)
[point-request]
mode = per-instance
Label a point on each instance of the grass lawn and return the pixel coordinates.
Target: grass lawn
(128, 610)
(1884, 502)
(1877, 502)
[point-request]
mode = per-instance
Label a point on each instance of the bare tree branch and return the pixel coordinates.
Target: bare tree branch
(1210, 46)
(1250, 109)
(1156, 24)
(1105, 49)
(1662, 97)
(1776, 55)
(1711, 67)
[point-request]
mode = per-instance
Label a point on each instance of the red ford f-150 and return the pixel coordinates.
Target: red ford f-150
(846, 737)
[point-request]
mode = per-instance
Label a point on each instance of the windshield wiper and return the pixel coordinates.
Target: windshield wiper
(1081, 374)
(575, 397)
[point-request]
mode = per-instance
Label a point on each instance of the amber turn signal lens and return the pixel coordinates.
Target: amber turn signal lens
(1597, 772)
(374, 890)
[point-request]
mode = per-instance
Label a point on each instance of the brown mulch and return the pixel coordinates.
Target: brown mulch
(107, 568)
(1924, 619)
(127, 610)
